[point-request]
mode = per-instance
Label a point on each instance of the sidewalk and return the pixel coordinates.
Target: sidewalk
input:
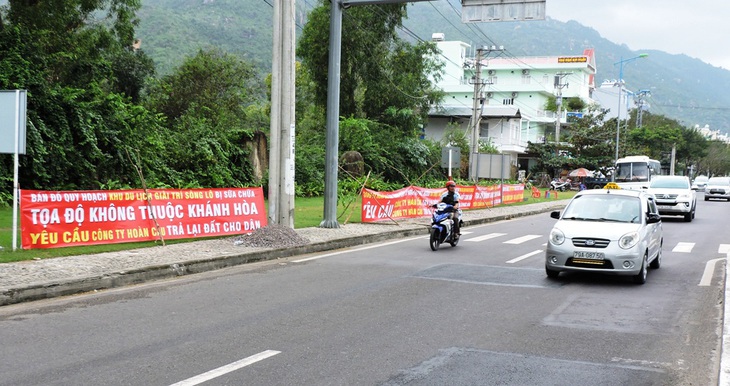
(40, 279)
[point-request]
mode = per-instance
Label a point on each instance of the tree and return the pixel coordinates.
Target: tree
(589, 143)
(385, 92)
(717, 160)
(81, 114)
(209, 106)
(379, 71)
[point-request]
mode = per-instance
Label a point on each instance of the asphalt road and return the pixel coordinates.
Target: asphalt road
(396, 313)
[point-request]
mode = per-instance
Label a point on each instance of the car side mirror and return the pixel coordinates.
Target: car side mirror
(555, 214)
(653, 218)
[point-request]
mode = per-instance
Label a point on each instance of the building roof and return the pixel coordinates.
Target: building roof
(505, 111)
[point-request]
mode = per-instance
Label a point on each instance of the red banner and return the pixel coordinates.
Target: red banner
(513, 193)
(51, 219)
(412, 201)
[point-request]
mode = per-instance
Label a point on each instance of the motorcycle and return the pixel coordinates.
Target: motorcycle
(557, 184)
(442, 226)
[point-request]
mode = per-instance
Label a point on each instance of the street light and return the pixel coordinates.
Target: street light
(620, 90)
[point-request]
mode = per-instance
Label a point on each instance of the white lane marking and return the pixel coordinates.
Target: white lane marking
(357, 249)
(215, 373)
(486, 237)
(523, 257)
(725, 358)
(724, 248)
(522, 239)
(709, 270)
(683, 247)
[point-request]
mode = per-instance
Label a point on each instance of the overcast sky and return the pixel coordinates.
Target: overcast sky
(696, 28)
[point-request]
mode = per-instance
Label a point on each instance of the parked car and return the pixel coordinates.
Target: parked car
(699, 183)
(610, 231)
(718, 187)
(674, 196)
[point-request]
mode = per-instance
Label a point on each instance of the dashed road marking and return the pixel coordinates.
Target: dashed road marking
(486, 237)
(709, 271)
(215, 373)
(522, 239)
(523, 257)
(683, 247)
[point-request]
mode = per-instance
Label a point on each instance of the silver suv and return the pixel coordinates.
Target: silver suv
(674, 196)
(718, 187)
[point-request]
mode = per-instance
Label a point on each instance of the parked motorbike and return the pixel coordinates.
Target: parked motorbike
(442, 226)
(557, 184)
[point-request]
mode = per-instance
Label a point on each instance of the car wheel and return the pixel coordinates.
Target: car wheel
(707, 198)
(640, 277)
(688, 217)
(434, 241)
(551, 273)
(657, 262)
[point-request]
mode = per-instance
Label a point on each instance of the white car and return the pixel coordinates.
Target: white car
(674, 196)
(611, 231)
(699, 183)
(718, 187)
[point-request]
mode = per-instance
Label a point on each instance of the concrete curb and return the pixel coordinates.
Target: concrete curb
(73, 286)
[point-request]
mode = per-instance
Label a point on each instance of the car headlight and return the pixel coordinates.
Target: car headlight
(556, 236)
(628, 240)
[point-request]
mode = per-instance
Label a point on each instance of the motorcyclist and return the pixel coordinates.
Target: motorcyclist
(451, 197)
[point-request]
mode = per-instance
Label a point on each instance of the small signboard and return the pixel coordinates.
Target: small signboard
(611, 185)
(12, 106)
(453, 154)
(476, 11)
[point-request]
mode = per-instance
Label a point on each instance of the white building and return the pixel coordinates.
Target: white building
(512, 97)
(607, 96)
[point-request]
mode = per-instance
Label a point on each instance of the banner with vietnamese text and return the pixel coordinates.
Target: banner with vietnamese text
(51, 219)
(413, 201)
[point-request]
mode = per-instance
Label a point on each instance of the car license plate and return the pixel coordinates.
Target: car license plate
(589, 255)
(660, 207)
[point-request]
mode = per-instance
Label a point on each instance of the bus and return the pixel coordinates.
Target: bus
(636, 172)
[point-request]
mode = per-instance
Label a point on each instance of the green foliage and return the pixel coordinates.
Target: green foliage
(717, 160)
(382, 77)
(588, 144)
(205, 103)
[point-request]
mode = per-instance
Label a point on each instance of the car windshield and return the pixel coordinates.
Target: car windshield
(700, 180)
(719, 181)
(606, 207)
(671, 183)
(632, 171)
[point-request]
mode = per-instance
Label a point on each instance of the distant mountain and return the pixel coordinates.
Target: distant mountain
(682, 88)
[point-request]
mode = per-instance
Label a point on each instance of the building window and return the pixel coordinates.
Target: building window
(508, 101)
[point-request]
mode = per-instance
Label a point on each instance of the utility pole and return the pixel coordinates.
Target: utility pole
(640, 105)
(332, 139)
(478, 108)
(559, 101)
(281, 152)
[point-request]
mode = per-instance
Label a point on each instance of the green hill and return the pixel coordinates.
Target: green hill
(682, 88)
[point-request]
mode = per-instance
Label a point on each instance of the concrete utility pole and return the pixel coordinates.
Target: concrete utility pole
(478, 109)
(640, 105)
(333, 118)
(281, 151)
(333, 106)
(559, 101)
(476, 118)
